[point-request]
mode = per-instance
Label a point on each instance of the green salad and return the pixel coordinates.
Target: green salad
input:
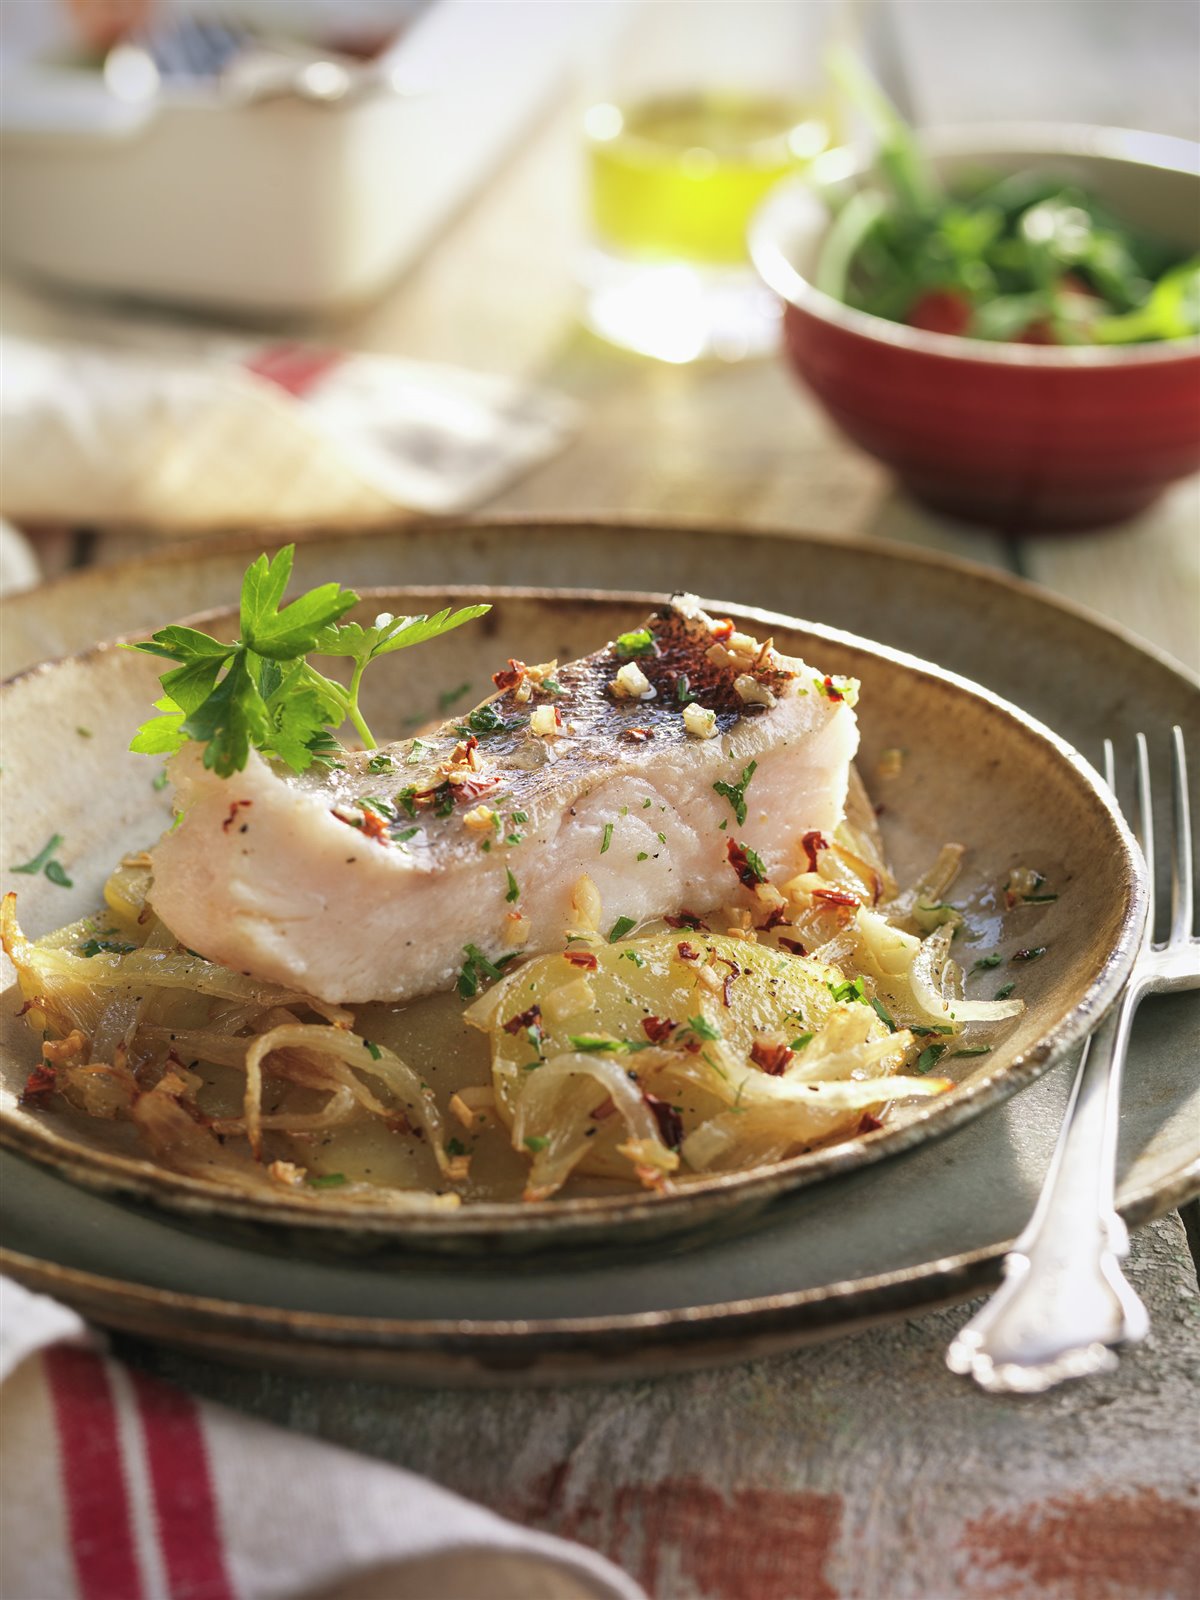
(1029, 257)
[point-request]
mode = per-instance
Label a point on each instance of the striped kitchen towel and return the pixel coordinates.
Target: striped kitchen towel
(114, 1486)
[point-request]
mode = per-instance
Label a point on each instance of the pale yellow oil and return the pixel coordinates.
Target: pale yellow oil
(679, 177)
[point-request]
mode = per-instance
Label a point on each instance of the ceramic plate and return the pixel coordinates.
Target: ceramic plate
(922, 1228)
(976, 771)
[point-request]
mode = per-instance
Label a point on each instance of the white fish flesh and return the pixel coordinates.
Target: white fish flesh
(369, 882)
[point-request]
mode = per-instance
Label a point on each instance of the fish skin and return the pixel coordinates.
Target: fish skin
(262, 874)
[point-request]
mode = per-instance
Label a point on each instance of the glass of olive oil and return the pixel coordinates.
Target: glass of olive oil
(722, 101)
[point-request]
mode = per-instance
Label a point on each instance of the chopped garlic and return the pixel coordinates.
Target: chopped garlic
(482, 818)
(286, 1172)
(544, 722)
(751, 692)
(699, 721)
(586, 902)
(631, 683)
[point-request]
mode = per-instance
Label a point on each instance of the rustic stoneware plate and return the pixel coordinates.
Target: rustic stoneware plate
(977, 771)
(927, 1227)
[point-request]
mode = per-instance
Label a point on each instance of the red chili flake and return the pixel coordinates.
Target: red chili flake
(836, 897)
(581, 958)
(868, 1123)
(831, 692)
(373, 824)
(793, 945)
(40, 1084)
(727, 987)
(509, 677)
(658, 1029)
(474, 789)
(670, 1123)
(687, 919)
(637, 735)
(399, 1123)
(748, 875)
(722, 629)
(527, 1019)
(606, 1108)
(238, 805)
(30, 1004)
(772, 1058)
(775, 916)
(813, 841)
(687, 952)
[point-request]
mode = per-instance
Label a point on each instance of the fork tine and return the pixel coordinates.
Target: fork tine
(1181, 864)
(1145, 831)
(1110, 766)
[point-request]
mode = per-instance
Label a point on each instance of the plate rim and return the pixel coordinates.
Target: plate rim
(464, 1343)
(559, 1224)
(183, 551)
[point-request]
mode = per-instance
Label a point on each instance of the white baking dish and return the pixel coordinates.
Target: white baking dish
(285, 207)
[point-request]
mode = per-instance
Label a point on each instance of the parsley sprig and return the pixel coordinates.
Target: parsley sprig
(260, 691)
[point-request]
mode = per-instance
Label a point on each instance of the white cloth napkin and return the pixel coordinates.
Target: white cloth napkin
(114, 1486)
(120, 420)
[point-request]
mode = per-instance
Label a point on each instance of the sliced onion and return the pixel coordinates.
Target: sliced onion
(925, 978)
(536, 1116)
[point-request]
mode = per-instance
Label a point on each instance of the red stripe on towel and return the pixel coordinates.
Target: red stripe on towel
(93, 1477)
(187, 1513)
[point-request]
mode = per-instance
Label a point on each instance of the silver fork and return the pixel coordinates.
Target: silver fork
(1064, 1302)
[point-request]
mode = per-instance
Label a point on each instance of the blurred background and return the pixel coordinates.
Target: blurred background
(330, 262)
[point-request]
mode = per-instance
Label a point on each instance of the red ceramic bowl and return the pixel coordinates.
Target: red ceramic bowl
(1025, 438)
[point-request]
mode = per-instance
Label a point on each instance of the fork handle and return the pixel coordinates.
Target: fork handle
(1064, 1302)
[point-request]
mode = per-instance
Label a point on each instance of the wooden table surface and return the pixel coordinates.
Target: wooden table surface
(861, 1467)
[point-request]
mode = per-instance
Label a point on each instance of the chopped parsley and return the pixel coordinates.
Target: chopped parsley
(683, 693)
(924, 1032)
(537, 1142)
(1005, 989)
(852, 989)
(45, 862)
(448, 696)
(703, 1028)
(643, 855)
(476, 967)
(884, 1015)
(455, 1147)
(598, 1044)
(620, 928)
(415, 751)
(328, 1180)
(159, 781)
(972, 1050)
(639, 642)
(260, 692)
(801, 1040)
(930, 1057)
(514, 888)
(632, 955)
(646, 804)
(735, 793)
(405, 834)
(372, 1050)
(381, 762)
(486, 719)
(94, 947)
(607, 839)
(984, 963)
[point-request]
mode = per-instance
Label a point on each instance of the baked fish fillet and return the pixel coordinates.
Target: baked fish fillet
(366, 882)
